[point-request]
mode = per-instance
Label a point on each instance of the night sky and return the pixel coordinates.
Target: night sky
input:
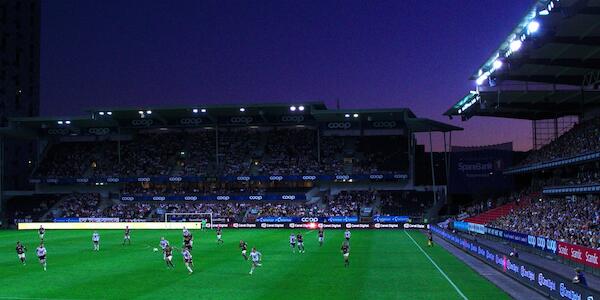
(369, 54)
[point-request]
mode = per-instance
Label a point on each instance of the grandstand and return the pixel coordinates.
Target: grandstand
(547, 72)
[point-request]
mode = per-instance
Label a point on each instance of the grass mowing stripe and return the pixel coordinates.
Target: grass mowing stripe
(437, 267)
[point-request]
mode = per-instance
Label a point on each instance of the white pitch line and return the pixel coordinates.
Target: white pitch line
(30, 298)
(437, 267)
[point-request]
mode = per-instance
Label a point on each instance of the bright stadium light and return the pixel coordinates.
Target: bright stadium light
(109, 113)
(482, 78)
(292, 108)
(533, 27)
(515, 45)
(67, 122)
(148, 112)
(101, 113)
(203, 110)
(242, 109)
(195, 110)
(301, 108)
(60, 122)
(347, 115)
(544, 12)
(497, 64)
(141, 112)
(355, 115)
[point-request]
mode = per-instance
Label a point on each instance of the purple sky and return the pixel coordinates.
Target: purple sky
(369, 54)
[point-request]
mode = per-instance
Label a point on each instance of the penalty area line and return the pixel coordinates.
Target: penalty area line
(437, 267)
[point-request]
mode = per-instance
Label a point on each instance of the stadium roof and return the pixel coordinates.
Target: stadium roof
(556, 45)
(203, 116)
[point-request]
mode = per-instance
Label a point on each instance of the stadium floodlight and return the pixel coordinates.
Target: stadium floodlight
(482, 78)
(242, 109)
(141, 112)
(292, 108)
(195, 110)
(533, 27)
(355, 115)
(544, 12)
(60, 122)
(347, 115)
(101, 113)
(203, 110)
(497, 64)
(301, 108)
(67, 122)
(515, 45)
(148, 112)
(109, 113)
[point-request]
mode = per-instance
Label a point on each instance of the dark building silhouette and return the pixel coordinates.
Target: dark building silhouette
(19, 83)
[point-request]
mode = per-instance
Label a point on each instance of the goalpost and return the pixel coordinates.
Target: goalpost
(190, 217)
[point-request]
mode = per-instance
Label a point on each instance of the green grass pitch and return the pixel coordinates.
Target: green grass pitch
(383, 265)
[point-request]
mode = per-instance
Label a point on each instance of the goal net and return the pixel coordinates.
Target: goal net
(190, 217)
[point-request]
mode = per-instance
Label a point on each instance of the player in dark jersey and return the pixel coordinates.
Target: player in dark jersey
(321, 236)
(21, 252)
(42, 232)
(219, 239)
(187, 242)
(169, 257)
(346, 253)
(300, 242)
(127, 236)
(244, 248)
(429, 239)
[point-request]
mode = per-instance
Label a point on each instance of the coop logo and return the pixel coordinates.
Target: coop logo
(244, 120)
(276, 178)
(127, 198)
(159, 198)
(259, 197)
(288, 197)
(339, 125)
(112, 179)
(175, 179)
(82, 180)
(384, 124)
(551, 245)
(243, 178)
(190, 198)
(142, 122)
(296, 119)
(58, 131)
(306, 219)
(223, 198)
(98, 131)
(309, 177)
(190, 121)
(376, 176)
(52, 180)
(400, 176)
(143, 179)
(342, 177)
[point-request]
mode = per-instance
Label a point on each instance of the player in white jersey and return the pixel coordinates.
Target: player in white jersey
(187, 258)
(163, 245)
(41, 254)
(347, 235)
(256, 257)
(96, 241)
(293, 242)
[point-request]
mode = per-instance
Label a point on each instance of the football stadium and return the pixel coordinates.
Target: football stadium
(305, 199)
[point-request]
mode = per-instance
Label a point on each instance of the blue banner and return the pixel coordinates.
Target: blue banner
(260, 178)
(391, 219)
(267, 197)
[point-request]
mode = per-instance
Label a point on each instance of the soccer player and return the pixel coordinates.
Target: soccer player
(187, 258)
(163, 243)
(256, 256)
(429, 239)
(41, 232)
(321, 236)
(96, 241)
(347, 235)
(346, 253)
(203, 224)
(188, 242)
(244, 248)
(300, 242)
(219, 239)
(168, 256)
(127, 236)
(293, 242)
(21, 252)
(41, 254)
